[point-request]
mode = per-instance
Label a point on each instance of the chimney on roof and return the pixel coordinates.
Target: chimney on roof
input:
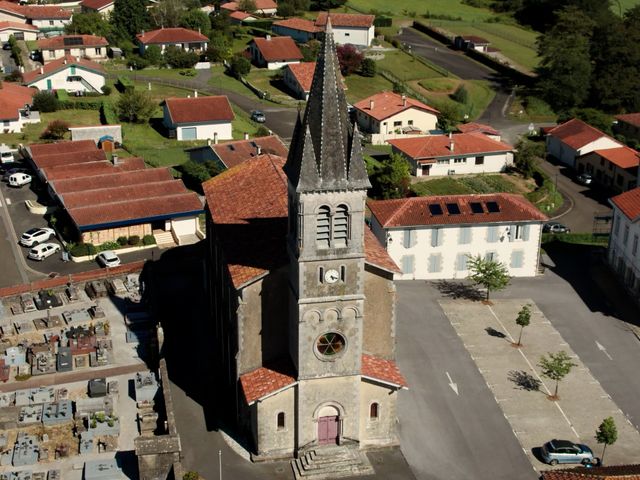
(246, 136)
(65, 60)
(371, 104)
(451, 145)
(215, 138)
(195, 94)
(268, 37)
(404, 100)
(41, 70)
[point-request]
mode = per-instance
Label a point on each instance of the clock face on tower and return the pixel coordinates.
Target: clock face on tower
(331, 276)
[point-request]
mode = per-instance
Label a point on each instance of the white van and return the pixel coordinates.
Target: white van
(19, 179)
(42, 251)
(6, 156)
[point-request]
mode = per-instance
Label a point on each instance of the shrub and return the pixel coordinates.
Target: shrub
(461, 95)
(369, 68)
(148, 240)
(350, 59)
(82, 249)
(55, 130)
(153, 54)
(124, 84)
(23, 377)
(109, 246)
(240, 66)
(137, 62)
(135, 106)
(106, 90)
(194, 174)
(191, 476)
(107, 114)
(188, 73)
(45, 102)
(179, 58)
(134, 240)
(122, 241)
(382, 21)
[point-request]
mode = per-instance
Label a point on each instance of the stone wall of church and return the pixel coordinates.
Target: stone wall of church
(339, 393)
(275, 441)
(379, 315)
(380, 431)
(262, 321)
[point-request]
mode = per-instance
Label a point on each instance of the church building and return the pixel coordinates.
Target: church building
(301, 292)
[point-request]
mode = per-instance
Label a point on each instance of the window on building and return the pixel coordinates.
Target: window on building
(616, 225)
(397, 123)
(436, 237)
(374, 411)
(320, 274)
(323, 227)
(51, 22)
(492, 234)
(281, 421)
(491, 256)
(52, 53)
(409, 122)
(98, 51)
(341, 226)
(407, 263)
(347, 34)
(611, 166)
(343, 273)
(7, 123)
(435, 263)
(461, 262)
(480, 160)
(625, 236)
(443, 161)
(520, 232)
(409, 238)
(459, 160)
(517, 259)
(464, 236)
(634, 247)
(74, 78)
(601, 161)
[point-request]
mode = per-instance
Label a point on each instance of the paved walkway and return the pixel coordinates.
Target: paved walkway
(514, 377)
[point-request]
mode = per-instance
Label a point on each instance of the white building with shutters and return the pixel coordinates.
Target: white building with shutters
(432, 238)
(623, 253)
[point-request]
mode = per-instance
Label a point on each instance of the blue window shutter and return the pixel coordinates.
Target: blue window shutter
(436, 237)
(465, 235)
(414, 238)
(517, 259)
(492, 234)
(407, 264)
(406, 238)
(525, 233)
(461, 262)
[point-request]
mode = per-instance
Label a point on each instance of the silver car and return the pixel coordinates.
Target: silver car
(108, 259)
(565, 451)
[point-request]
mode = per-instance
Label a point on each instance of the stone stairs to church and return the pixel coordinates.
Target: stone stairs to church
(331, 461)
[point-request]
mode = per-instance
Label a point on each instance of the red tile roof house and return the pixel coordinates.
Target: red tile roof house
(439, 155)
(106, 199)
(568, 141)
(81, 46)
(265, 8)
(352, 28)
(274, 52)
(238, 18)
(183, 38)
(300, 29)
(388, 115)
(623, 251)
(473, 127)
(15, 110)
(20, 31)
(432, 237)
(69, 73)
(628, 125)
(199, 118)
(613, 168)
(47, 18)
(297, 77)
(104, 7)
(231, 154)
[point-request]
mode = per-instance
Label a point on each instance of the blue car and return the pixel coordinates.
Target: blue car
(565, 451)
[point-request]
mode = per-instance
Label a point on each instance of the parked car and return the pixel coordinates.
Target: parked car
(258, 116)
(34, 236)
(10, 171)
(6, 156)
(108, 258)
(19, 179)
(555, 227)
(565, 451)
(584, 179)
(6, 46)
(42, 251)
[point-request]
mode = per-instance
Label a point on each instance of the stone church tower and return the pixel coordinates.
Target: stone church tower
(302, 292)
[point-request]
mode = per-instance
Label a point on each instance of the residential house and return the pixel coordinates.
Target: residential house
(623, 252)
(471, 42)
(297, 77)
(238, 18)
(353, 28)
(274, 52)
(199, 118)
(47, 18)
(568, 141)
(438, 155)
(183, 38)
(388, 115)
(231, 154)
(433, 237)
(300, 29)
(69, 73)
(265, 8)
(83, 46)
(15, 107)
(474, 127)
(103, 7)
(628, 125)
(20, 31)
(614, 168)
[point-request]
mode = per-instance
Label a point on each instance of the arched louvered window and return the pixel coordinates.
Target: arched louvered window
(341, 226)
(281, 424)
(323, 227)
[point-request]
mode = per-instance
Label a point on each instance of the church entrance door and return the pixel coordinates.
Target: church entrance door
(328, 430)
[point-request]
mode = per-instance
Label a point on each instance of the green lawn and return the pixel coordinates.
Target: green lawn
(31, 133)
(406, 68)
(466, 185)
(263, 79)
(480, 95)
(531, 109)
(408, 8)
(362, 87)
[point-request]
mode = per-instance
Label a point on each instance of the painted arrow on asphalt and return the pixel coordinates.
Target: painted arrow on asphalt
(454, 386)
(603, 350)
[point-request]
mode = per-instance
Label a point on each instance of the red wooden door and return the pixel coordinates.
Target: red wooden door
(327, 430)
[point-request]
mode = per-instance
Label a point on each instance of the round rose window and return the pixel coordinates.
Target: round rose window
(330, 344)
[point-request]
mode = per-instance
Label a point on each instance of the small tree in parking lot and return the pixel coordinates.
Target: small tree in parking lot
(523, 320)
(556, 366)
(606, 434)
(490, 274)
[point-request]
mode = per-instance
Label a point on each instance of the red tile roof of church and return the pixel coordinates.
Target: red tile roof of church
(381, 369)
(266, 380)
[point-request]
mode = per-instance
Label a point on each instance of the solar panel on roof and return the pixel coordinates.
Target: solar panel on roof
(435, 209)
(476, 207)
(69, 41)
(493, 207)
(453, 209)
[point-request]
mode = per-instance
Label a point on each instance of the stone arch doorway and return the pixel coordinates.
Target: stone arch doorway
(328, 425)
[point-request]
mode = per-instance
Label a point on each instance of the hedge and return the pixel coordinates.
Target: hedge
(108, 115)
(79, 105)
(82, 249)
(382, 21)
(125, 84)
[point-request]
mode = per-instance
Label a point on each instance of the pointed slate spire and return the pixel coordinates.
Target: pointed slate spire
(326, 129)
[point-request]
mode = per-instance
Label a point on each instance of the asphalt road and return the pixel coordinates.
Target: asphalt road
(443, 435)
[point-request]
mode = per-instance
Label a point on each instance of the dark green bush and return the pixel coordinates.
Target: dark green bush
(124, 84)
(106, 90)
(109, 246)
(122, 241)
(107, 114)
(382, 21)
(82, 249)
(148, 240)
(134, 240)
(45, 102)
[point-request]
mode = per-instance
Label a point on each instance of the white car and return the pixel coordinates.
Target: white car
(19, 179)
(36, 235)
(108, 258)
(42, 251)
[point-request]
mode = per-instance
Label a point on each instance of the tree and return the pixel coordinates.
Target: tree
(130, 17)
(55, 130)
(607, 434)
(45, 102)
(310, 50)
(135, 106)
(555, 367)
(449, 116)
(492, 275)
(369, 68)
(523, 320)
(391, 179)
(220, 23)
(167, 13)
(194, 174)
(326, 5)
(196, 20)
(240, 66)
(288, 8)
(527, 155)
(153, 55)
(219, 48)
(248, 6)
(179, 58)
(89, 24)
(350, 58)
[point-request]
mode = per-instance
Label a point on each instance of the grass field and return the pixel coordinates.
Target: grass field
(438, 91)
(406, 8)
(362, 87)
(31, 133)
(406, 68)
